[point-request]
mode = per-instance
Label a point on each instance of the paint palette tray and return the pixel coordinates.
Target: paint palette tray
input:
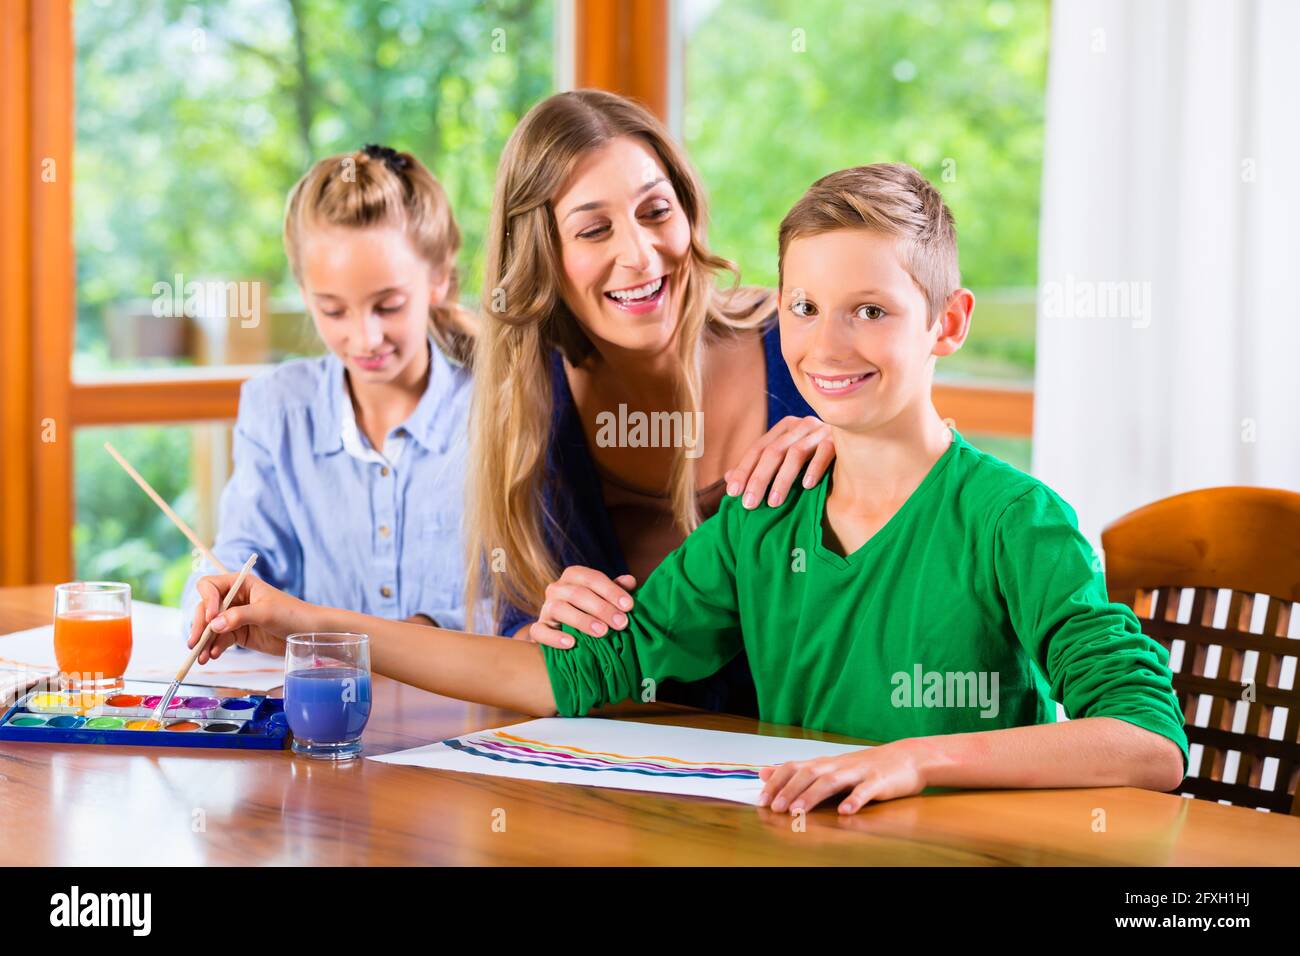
(198, 717)
(122, 704)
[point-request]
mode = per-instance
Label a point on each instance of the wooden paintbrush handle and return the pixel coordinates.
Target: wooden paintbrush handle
(207, 631)
(166, 508)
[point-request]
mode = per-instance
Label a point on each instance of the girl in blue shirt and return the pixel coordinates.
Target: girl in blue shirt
(349, 469)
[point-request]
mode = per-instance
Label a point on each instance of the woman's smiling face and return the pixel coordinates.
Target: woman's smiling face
(623, 238)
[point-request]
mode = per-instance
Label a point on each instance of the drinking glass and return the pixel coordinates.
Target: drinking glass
(92, 634)
(327, 693)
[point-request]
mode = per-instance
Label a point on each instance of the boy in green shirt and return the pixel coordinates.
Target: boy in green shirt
(923, 594)
(923, 588)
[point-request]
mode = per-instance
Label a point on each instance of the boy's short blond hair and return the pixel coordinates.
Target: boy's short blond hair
(890, 198)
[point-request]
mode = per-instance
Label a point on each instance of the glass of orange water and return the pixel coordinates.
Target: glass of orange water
(92, 634)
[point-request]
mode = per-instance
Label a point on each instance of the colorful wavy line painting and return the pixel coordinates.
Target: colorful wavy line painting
(619, 755)
(508, 748)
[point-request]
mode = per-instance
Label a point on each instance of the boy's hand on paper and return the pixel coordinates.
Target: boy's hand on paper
(259, 617)
(881, 773)
(586, 600)
(774, 462)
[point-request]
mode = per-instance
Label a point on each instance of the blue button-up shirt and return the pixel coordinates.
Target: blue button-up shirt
(335, 521)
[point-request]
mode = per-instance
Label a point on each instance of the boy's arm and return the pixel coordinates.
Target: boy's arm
(685, 626)
(1093, 651)
(1089, 752)
(1125, 729)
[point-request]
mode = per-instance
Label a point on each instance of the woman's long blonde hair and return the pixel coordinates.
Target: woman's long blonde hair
(359, 190)
(525, 317)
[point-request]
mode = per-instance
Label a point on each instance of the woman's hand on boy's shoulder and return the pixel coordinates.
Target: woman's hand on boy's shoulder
(586, 600)
(879, 773)
(772, 464)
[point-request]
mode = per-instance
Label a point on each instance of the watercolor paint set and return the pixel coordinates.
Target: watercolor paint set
(196, 717)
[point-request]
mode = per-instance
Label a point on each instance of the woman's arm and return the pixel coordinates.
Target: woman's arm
(1089, 752)
(488, 670)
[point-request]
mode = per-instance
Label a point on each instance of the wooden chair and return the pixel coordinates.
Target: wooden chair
(1198, 568)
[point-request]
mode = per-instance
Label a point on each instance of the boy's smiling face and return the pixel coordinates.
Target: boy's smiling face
(854, 328)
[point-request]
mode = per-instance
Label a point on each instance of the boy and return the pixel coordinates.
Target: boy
(924, 593)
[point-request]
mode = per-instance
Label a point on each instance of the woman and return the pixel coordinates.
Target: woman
(599, 300)
(600, 305)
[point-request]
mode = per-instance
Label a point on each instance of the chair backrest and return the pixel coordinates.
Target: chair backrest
(1200, 569)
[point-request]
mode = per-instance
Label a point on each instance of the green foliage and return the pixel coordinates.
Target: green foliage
(1001, 343)
(120, 534)
(1014, 451)
(781, 92)
(194, 120)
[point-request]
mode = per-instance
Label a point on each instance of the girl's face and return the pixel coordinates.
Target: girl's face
(369, 294)
(623, 238)
(854, 328)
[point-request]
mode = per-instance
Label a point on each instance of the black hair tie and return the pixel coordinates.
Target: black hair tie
(390, 157)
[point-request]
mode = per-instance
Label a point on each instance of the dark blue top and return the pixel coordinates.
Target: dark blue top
(579, 530)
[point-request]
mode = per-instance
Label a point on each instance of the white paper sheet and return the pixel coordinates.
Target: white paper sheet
(621, 754)
(157, 652)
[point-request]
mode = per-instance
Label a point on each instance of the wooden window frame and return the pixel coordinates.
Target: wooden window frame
(38, 294)
(619, 45)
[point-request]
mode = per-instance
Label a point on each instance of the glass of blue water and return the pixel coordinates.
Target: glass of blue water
(327, 693)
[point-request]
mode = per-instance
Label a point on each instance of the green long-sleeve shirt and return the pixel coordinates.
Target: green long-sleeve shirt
(974, 608)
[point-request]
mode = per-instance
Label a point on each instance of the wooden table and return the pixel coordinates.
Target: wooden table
(87, 805)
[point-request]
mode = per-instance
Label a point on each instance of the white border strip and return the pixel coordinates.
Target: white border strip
(564, 45)
(676, 69)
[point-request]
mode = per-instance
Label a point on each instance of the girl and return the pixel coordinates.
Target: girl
(349, 468)
(600, 306)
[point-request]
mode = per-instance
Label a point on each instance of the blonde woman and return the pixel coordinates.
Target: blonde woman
(602, 314)
(349, 468)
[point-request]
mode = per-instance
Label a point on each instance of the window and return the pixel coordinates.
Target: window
(185, 123)
(776, 93)
(779, 92)
(120, 534)
(193, 121)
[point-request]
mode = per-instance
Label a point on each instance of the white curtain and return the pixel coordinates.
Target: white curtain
(1168, 354)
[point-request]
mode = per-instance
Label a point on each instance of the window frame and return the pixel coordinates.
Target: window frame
(621, 45)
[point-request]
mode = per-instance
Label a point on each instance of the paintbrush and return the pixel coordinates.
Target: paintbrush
(166, 508)
(203, 642)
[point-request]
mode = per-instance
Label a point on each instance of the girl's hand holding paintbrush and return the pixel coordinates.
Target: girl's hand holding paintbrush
(260, 616)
